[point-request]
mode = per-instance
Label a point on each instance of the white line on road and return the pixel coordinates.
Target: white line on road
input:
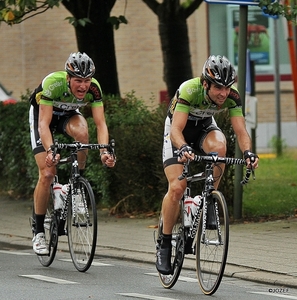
(143, 296)
(15, 253)
(180, 278)
(49, 279)
(94, 263)
(275, 295)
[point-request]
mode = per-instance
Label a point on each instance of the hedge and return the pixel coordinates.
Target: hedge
(136, 185)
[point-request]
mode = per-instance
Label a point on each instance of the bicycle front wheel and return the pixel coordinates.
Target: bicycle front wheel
(177, 253)
(212, 247)
(82, 226)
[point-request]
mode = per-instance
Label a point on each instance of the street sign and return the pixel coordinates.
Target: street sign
(238, 2)
(251, 111)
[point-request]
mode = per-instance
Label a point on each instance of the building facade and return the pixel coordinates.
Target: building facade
(40, 45)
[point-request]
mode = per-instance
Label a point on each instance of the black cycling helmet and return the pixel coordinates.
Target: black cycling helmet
(80, 65)
(218, 70)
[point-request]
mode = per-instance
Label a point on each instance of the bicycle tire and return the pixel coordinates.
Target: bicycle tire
(211, 255)
(177, 253)
(82, 228)
(50, 232)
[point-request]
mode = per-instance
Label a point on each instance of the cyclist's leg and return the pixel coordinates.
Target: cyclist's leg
(170, 213)
(42, 189)
(170, 204)
(214, 140)
(76, 127)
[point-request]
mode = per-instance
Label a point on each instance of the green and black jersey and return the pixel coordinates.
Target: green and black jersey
(54, 91)
(191, 98)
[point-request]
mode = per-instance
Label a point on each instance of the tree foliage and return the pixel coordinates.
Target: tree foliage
(173, 30)
(17, 11)
(287, 9)
(91, 21)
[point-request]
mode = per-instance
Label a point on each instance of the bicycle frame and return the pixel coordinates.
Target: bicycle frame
(77, 219)
(74, 173)
(208, 188)
(207, 176)
(207, 238)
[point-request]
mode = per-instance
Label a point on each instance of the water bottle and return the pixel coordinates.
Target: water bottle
(62, 197)
(190, 207)
(57, 191)
(196, 204)
(188, 203)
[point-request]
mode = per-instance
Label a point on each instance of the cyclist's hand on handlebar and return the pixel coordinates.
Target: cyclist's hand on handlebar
(251, 159)
(185, 152)
(52, 160)
(108, 159)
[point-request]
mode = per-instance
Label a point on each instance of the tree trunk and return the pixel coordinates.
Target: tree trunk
(173, 31)
(97, 39)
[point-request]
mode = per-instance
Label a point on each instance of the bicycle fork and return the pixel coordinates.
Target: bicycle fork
(203, 212)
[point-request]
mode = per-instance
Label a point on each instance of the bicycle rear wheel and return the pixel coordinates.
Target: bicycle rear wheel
(177, 253)
(82, 227)
(212, 249)
(51, 235)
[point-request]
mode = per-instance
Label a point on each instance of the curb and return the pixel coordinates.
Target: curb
(231, 270)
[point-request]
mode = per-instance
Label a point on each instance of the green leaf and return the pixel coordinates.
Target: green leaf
(116, 21)
(123, 19)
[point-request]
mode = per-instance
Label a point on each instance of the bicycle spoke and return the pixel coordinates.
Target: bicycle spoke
(82, 228)
(212, 248)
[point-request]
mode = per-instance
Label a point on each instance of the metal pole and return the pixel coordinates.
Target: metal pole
(277, 91)
(243, 13)
(253, 93)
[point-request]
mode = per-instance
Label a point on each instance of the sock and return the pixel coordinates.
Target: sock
(166, 240)
(39, 223)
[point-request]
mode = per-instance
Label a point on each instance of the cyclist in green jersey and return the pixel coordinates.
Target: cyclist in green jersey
(190, 122)
(55, 108)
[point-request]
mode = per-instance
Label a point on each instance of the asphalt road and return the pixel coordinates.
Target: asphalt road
(23, 278)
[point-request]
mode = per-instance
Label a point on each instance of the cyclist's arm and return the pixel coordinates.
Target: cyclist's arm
(99, 119)
(243, 138)
(102, 134)
(179, 121)
(45, 117)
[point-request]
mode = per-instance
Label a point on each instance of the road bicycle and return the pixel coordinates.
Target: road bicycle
(80, 226)
(207, 235)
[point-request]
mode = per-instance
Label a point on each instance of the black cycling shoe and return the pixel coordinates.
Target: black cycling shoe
(163, 263)
(211, 222)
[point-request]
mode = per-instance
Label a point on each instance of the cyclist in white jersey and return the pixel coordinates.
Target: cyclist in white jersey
(190, 123)
(55, 108)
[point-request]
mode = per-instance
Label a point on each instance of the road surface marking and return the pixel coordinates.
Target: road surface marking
(143, 296)
(93, 263)
(15, 253)
(180, 278)
(49, 279)
(275, 295)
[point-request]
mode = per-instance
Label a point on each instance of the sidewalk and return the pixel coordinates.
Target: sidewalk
(263, 252)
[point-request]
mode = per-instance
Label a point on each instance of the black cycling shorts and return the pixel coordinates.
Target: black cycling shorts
(194, 134)
(58, 124)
